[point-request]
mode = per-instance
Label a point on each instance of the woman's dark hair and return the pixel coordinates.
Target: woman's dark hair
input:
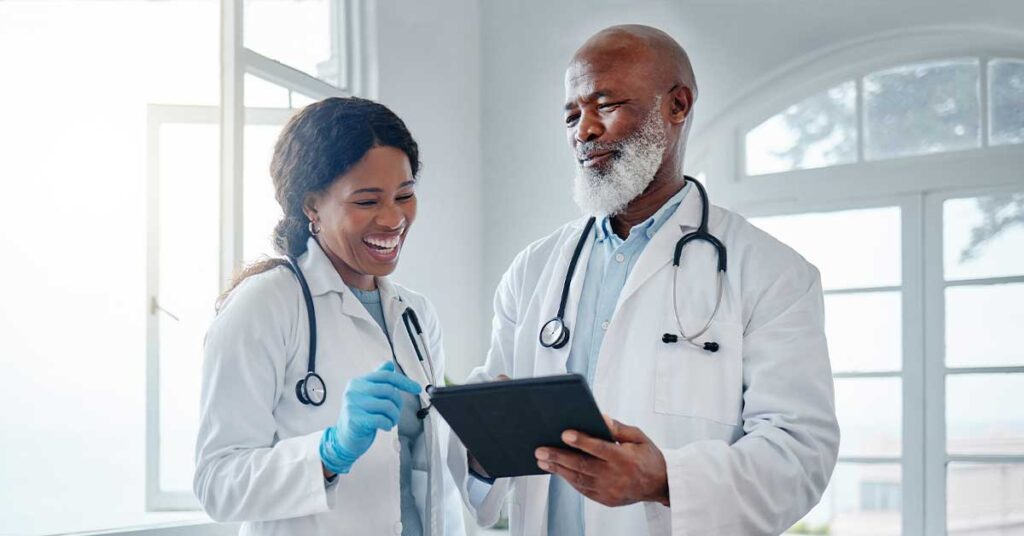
(318, 145)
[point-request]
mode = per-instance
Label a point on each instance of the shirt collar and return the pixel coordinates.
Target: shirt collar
(323, 278)
(603, 229)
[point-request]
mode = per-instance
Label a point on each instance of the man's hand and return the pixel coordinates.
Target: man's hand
(614, 474)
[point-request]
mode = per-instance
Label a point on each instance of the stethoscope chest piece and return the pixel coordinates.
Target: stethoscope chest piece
(311, 389)
(554, 334)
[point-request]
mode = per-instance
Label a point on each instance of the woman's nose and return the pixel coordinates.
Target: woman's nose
(391, 216)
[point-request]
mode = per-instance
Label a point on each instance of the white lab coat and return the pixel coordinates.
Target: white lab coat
(749, 433)
(257, 455)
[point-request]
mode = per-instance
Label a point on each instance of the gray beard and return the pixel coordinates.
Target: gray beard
(607, 192)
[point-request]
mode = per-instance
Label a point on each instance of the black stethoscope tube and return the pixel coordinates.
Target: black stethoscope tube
(555, 334)
(311, 390)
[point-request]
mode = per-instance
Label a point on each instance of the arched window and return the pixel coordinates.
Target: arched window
(896, 165)
(913, 109)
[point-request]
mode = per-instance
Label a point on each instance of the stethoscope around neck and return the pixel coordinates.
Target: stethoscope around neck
(555, 333)
(312, 391)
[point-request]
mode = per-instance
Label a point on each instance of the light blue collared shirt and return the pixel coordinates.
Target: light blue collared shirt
(611, 261)
(410, 430)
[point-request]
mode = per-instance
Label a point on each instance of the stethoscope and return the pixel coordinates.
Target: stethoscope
(311, 389)
(555, 334)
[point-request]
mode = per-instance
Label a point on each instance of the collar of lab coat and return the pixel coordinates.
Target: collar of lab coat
(323, 278)
(658, 253)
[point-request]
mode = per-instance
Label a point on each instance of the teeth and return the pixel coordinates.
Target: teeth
(389, 243)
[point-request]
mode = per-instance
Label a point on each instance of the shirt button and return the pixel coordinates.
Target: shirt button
(620, 257)
(604, 325)
(398, 445)
(398, 528)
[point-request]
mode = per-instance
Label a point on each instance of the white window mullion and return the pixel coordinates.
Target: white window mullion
(934, 316)
(232, 123)
(914, 364)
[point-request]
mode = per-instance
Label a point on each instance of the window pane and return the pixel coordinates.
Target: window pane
(262, 94)
(983, 325)
(861, 500)
(816, 132)
(922, 108)
(985, 414)
(261, 211)
(985, 499)
(293, 32)
(189, 256)
(849, 317)
(77, 79)
(983, 236)
(851, 248)
(870, 412)
(1006, 101)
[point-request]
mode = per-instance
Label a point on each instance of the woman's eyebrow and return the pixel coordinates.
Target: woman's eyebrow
(378, 190)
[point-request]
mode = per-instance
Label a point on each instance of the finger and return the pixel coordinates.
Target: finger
(579, 463)
(395, 379)
(375, 390)
(598, 448)
(585, 484)
(625, 433)
(377, 406)
(503, 378)
(374, 421)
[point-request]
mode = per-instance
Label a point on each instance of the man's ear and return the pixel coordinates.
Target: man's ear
(309, 204)
(680, 104)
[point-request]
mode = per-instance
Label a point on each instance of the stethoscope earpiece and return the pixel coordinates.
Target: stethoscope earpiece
(670, 338)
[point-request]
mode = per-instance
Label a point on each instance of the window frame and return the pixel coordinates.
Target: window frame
(158, 115)
(353, 51)
(917, 184)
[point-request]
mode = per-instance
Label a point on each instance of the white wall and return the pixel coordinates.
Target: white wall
(428, 73)
(733, 44)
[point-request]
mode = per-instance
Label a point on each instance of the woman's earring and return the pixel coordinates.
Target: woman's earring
(314, 228)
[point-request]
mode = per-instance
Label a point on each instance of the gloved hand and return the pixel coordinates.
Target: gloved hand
(372, 402)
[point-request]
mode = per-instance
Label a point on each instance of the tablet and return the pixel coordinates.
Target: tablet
(503, 422)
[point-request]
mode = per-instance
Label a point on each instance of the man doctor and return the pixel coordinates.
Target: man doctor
(741, 440)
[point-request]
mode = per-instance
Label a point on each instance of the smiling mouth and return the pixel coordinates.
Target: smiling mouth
(383, 247)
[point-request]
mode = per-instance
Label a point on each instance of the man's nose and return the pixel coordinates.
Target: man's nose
(589, 128)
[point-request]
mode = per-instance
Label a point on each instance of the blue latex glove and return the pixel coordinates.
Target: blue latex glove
(372, 402)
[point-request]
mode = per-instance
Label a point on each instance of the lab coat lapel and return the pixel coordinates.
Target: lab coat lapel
(560, 356)
(401, 342)
(322, 278)
(658, 252)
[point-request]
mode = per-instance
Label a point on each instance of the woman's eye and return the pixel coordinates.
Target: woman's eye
(406, 197)
(368, 203)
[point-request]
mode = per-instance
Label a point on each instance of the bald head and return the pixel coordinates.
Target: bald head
(644, 50)
(629, 94)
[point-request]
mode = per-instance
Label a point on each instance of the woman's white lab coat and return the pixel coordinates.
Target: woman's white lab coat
(257, 455)
(749, 433)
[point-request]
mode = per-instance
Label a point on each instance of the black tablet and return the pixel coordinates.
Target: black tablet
(503, 422)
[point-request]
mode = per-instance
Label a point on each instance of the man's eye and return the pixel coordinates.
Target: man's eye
(609, 106)
(572, 119)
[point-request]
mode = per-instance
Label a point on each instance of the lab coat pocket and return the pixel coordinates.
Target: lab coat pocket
(694, 382)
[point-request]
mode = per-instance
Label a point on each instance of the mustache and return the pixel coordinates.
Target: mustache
(586, 148)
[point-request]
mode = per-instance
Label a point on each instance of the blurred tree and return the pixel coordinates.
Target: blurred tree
(916, 109)
(1000, 212)
(825, 123)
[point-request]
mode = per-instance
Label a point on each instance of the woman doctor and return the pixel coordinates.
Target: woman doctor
(353, 457)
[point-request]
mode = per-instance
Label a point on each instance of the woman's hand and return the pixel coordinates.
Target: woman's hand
(372, 402)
